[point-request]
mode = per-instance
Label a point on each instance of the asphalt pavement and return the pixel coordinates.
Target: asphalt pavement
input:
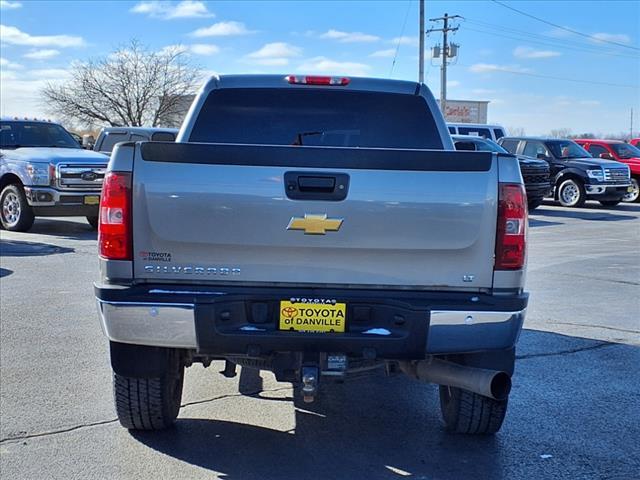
(573, 410)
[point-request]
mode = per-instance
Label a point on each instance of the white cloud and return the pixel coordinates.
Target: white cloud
(274, 54)
(453, 83)
(4, 63)
(170, 10)
(222, 29)
(325, 65)
(349, 37)
(14, 36)
(49, 74)
(491, 67)
(42, 54)
(405, 40)
(611, 37)
(528, 52)
(8, 5)
(195, 49)
(590, 103)
(204, 49)
(390, 52)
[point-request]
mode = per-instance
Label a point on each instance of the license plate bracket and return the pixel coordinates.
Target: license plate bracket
(312, 317)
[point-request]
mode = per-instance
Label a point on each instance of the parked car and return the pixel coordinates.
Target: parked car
(535, 173)
(621, 152)
(492, 132)
(635, 142)
(110, 136)
(575, 175)
(313, 226)
(45, 172)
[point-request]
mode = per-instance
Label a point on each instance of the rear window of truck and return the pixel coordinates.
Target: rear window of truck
(316, 117)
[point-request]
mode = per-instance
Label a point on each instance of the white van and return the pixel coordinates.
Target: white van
(492, 132)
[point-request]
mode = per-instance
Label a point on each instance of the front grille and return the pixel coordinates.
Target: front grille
(536, 179)
(616, 175)
(80, 177)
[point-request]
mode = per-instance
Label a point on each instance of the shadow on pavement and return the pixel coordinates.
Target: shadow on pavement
(5, 272)
(378, 427)
(582, 214)
(534, 222)
(78, 230)
(16, 248)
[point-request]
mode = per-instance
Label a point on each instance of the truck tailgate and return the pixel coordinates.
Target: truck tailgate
(206, 213)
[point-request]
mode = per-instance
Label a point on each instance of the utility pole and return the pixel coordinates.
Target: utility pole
(445, 53)
(631, 127)
(421, 54)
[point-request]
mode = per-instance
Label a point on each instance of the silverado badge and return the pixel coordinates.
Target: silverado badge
(315, 224)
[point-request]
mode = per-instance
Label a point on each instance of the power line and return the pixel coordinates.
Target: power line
(564, 28)
(552, 45)
(404, 24)
(515, 72)
(546, 40)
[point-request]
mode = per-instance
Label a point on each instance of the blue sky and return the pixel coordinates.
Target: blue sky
(505, 57)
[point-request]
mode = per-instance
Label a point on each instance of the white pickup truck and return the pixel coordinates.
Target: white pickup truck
(314, 227)
(45, 172)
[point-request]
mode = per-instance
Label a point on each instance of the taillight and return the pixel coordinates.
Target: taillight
(317, 80)
(114, 229)
(511, 235)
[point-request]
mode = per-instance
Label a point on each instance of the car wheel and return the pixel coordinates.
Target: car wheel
(93, 221)
(15, 213)
(609, 203)
(571, 193)
(634, 195)
(470, 413)
(150, 403)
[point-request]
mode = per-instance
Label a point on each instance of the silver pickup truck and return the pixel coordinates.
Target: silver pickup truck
(45, 172)
(314, 227)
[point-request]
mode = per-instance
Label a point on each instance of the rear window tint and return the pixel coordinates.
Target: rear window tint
(163, 137)
(475, 131)
(110, 141)
(317, 117)
(498, 132)
(510, 145)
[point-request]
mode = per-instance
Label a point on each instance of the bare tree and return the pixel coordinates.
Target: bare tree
(132, 86)
(516, 131)
(560, 133)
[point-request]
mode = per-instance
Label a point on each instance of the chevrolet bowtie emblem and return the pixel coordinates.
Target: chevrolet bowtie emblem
(315, 224)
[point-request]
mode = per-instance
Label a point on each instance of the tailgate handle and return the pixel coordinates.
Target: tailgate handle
(316, 184)
(332, 187)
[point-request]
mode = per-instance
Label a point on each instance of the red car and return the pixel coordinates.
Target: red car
(622, 152)
(635, 142)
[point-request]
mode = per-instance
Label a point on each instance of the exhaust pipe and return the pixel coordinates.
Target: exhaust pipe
(489, 383)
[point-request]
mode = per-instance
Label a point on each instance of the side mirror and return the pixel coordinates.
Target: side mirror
(606, 156)
(466, 146)
(541, 156)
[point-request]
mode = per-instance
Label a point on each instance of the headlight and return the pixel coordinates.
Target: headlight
(38, 173)
(597, 174)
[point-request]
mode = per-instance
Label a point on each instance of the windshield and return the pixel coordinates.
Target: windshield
(624, 150)
(567, 149)
(35, 134)
(316, 117)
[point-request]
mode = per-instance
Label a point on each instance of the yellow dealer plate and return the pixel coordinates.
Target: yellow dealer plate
(312, 317)
(91, 200)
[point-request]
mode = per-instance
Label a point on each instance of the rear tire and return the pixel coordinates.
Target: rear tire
(470, 413)
(93, 221)
(609, 203)
(150, 403)
(15, 213)
(571, 193)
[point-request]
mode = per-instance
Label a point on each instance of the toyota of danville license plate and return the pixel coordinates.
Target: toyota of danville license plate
(312, 317)
(91, 200)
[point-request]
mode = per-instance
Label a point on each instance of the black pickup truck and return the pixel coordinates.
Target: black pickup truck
(576, 176)
(535, 173)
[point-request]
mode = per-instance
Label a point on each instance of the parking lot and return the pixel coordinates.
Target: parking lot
(573, 410)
